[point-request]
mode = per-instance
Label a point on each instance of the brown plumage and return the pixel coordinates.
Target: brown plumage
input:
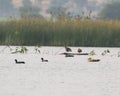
(67, 49)
(79, 50)
(93, 60)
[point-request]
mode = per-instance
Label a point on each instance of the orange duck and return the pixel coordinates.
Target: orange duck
(93, 60)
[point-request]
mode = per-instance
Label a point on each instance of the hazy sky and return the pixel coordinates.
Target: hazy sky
(72, 5)
(19, 2)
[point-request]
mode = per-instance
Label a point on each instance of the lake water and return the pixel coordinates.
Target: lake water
(61, 76)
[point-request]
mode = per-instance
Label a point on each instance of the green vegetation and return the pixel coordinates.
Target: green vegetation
(105, 52)
(77, 32)
(21, 49)
(92, 53)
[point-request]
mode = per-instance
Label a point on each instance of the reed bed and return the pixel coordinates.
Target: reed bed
(77, 32)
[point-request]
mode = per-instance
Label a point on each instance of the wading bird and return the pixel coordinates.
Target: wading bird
(67, 48)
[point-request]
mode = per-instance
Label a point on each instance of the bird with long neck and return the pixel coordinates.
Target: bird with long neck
(67, 48)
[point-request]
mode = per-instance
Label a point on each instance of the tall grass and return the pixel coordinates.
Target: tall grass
(75, 32)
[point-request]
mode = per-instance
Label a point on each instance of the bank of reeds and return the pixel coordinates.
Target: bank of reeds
(76, 32)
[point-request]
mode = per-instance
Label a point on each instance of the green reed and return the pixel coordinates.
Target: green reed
(77, 32)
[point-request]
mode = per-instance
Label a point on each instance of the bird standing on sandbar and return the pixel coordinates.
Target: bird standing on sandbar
(67, 48)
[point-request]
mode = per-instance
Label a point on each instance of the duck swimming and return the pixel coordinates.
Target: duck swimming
(79, 50)
(43, 60)
(19, 62)
(93, 60)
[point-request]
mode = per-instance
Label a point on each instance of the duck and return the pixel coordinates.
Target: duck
(43, 60)
(79, 50)
(93, 60)
(19, 62)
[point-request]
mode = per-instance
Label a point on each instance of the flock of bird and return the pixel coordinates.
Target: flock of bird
(23, 62)
(67, 55)
(79, 51)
